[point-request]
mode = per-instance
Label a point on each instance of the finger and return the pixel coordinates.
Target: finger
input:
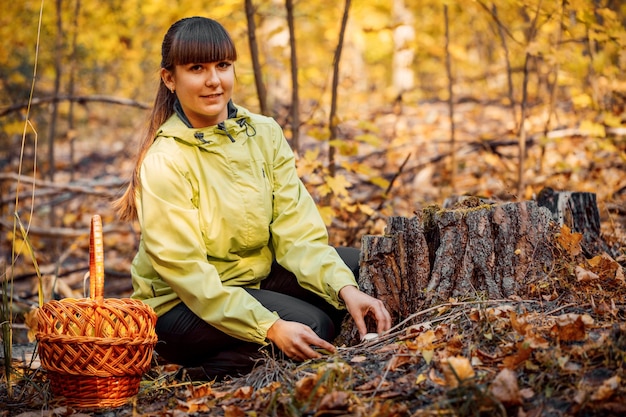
(360, 323)
(314, 340)
(383, 318)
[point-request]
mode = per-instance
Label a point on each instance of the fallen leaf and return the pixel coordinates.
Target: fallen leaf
(456, 369)
(607, 389)
(399, 360)
(570, 332)
(304, 388)
(233, 411)
(244, 392)
(499, 312)
(527, 393)
(30, 319)
(565, 319)
(583, 275)
(423, 341)
(335, 401)
(606, 267)
(454, 346)
(519, 324)
(199, 391)
(505, 388)
(436, 378)
(193, 405)
(474, 315)
(420, 378)
(570, 241)
(373, 384)
(428, 355)
(522, 353)
(417, 328)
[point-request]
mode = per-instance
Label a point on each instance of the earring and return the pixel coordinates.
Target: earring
(172, 90)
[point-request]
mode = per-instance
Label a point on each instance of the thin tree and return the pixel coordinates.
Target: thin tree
(295, 101)
(450, 100)
(553, 87)
(56, 90)
(332, 122)
(254, 53)
(507, 61)
(522, 126)
(72, 85)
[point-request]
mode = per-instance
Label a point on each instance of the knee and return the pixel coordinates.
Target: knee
(323, 326)
(351, 257)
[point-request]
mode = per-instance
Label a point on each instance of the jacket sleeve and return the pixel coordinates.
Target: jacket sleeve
(172, 238)
(299, 235)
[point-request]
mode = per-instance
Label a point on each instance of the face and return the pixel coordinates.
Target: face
(203, 90)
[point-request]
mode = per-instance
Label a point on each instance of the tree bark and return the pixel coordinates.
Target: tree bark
(491, 251)
(394, 268)
(579, 212)
(474, 250)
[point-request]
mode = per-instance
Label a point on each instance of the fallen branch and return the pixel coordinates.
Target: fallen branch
(64, 232)
(76, 99)
(98, 188)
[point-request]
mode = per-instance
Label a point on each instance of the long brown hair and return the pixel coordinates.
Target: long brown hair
(189, 40)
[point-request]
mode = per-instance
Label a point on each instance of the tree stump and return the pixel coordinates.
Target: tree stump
(474, 250)
(579, 212)
(394, 268)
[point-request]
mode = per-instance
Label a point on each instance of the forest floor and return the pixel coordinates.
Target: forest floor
(561, 353)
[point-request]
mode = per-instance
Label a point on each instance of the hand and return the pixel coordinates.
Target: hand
(295, 340)
(360, 305)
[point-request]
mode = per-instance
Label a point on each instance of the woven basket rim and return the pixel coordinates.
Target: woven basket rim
(117, 340)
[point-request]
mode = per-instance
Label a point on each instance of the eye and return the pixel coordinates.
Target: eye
(195, 67)
(224, 64)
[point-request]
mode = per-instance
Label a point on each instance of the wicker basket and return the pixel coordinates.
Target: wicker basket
(96, 350)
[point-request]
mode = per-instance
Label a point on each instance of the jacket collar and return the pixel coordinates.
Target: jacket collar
(178, 109)
(178, 126)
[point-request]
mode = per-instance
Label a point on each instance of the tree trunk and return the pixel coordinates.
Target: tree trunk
(295, 101)
(332, 119)
(579, 212)
(254, 55)
(395, 269)
(474, 250)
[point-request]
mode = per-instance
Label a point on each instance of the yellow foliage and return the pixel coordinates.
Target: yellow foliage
(593, 129)
(338, 185)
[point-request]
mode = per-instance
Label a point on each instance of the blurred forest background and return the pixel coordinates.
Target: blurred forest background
(391, 105)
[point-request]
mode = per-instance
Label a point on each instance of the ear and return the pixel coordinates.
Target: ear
(168, 79)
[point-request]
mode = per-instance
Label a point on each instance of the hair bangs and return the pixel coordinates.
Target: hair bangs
(201, 42)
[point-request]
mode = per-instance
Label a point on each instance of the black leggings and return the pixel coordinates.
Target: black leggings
(187, 340)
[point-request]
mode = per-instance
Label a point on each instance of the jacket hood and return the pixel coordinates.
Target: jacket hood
(238, 122)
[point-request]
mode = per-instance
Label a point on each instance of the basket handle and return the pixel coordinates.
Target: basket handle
(96, 259)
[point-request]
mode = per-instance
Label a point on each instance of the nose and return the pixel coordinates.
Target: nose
(212, 78)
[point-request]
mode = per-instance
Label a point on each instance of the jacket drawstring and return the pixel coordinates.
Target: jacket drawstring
(250, 130)
(222, 127)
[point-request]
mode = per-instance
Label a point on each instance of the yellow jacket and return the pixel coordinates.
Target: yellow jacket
(216, 206)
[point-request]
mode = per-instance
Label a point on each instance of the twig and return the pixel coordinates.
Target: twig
(456, 304)
(393, 179)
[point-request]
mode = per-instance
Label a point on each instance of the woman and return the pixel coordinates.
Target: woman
(233, 254)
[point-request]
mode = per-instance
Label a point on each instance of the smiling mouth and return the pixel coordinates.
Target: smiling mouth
(212, 95)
